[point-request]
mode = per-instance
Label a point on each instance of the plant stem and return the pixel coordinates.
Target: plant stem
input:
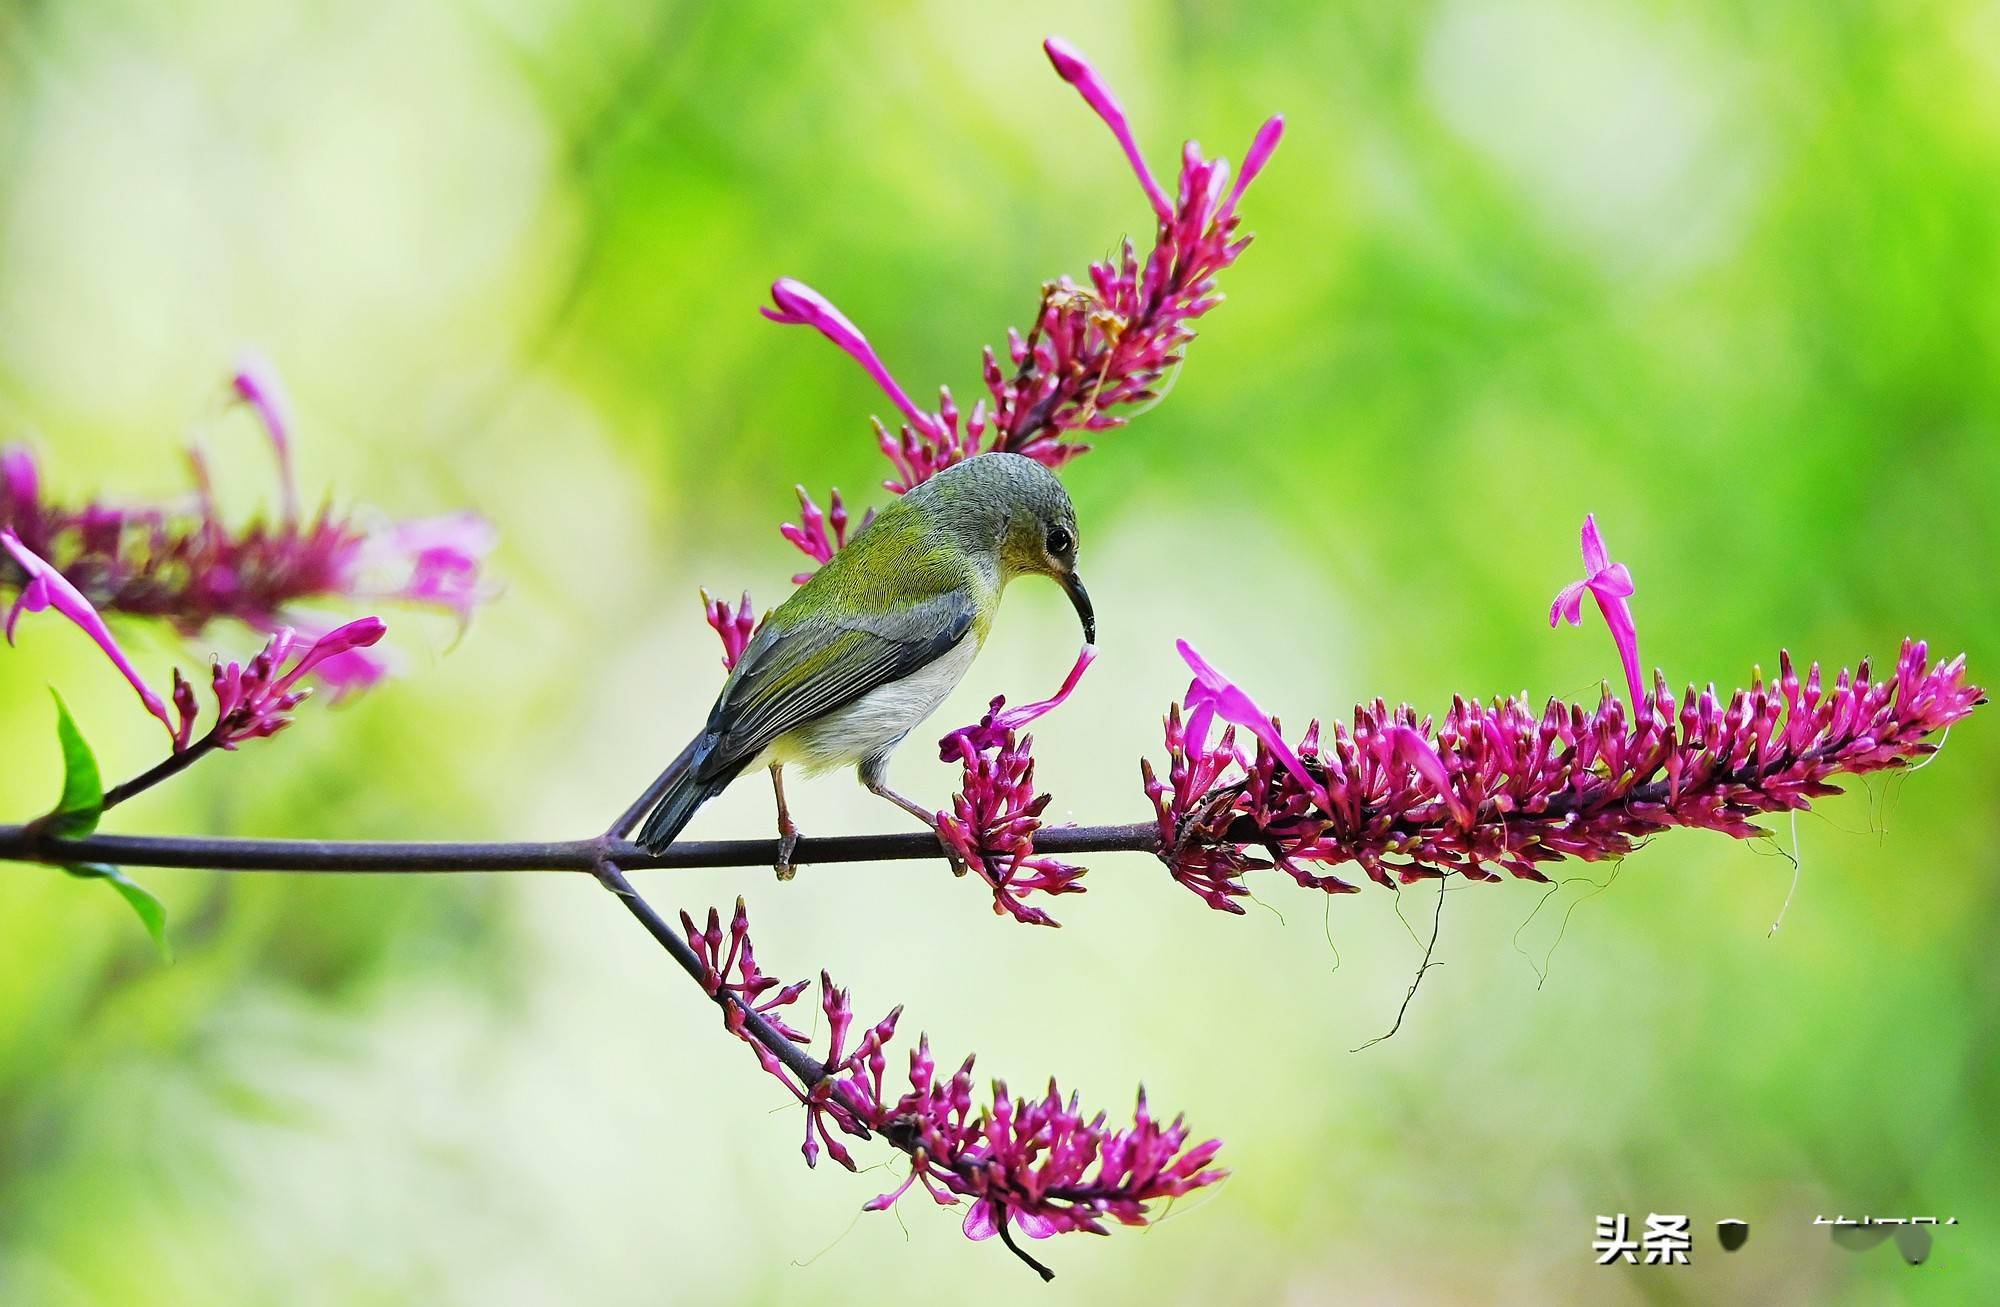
(796, 1059)
(20, 843)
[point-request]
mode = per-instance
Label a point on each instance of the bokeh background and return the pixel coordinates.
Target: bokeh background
(1724, 274)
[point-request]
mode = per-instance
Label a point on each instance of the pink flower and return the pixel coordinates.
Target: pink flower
(257, 384)
(735, 628)
(255, 699)
(800, 304)
(1262, 147)
(1072, 67)
(1407, 745)
(430, 560)
(1015, 718)
(1610, 584)
(1211, 694)
(47, 588)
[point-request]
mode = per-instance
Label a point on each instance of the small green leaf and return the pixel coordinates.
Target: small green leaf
(151, 914)
(82, 801)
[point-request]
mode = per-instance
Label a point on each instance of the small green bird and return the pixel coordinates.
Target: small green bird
(868, 647)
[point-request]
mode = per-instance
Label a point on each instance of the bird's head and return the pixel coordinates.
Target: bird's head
(1015, 507)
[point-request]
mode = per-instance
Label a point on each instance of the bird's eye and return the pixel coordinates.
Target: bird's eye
(1059, 541)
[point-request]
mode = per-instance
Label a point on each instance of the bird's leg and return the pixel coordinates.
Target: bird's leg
(877, 784)
(788, 833)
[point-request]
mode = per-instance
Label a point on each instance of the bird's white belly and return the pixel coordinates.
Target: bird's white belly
(878, 719)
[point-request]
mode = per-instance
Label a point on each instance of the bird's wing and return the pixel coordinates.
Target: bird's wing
(791, 679)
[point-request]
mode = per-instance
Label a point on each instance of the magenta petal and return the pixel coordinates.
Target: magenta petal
(34, 597)
(1568, 604)
(1072, 67)
(1013, 719)
(1261, 149)
(1595, 559)
(800, 304)
(1200, 715)
(979, 1223)
(1035, 1225)
(1614, 582)
(53, 590)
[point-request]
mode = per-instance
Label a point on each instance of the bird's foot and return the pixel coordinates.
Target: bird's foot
(788, 840)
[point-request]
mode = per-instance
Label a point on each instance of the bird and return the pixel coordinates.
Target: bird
(842, 671)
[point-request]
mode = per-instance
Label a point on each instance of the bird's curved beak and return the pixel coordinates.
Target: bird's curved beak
(1079, 598)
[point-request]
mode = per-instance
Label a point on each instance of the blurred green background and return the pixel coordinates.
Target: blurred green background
(1724, 274)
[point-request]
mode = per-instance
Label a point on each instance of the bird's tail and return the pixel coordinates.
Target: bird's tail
(685, 791)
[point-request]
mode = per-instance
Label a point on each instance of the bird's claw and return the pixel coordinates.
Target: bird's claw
(788, 840)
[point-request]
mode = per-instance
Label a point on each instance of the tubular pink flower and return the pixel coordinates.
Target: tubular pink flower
(735, 628)
(1213, 694)
(1407, 745)
(47, 588)
(800, 304)
(1013, 719)
(1610, 584)
(1262, 147)
(258, 384)
(1072, 67)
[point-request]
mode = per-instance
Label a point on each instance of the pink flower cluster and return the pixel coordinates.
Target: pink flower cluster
(1091, 350)
(254, 700)
(995, 814)
(188, 565)
(251, 701)
(1043, 1165)
(1499, 787)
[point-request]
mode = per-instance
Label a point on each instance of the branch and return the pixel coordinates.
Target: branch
(23, 844)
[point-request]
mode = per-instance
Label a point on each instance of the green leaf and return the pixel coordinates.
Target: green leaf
(82, 801)
(151, 914)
